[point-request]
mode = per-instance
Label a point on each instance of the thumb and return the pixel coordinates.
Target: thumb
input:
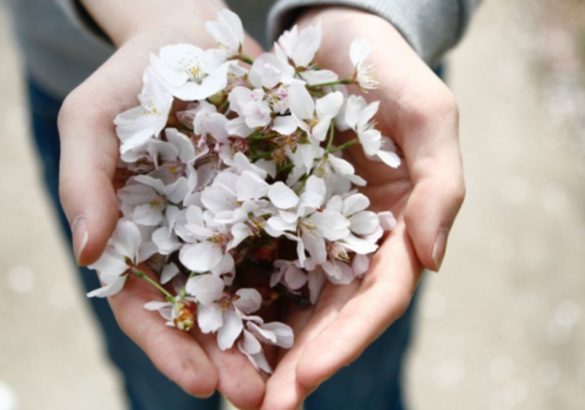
(89, 153)
(429, 215)
(433, 157)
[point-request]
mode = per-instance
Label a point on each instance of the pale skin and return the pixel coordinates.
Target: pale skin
(417, 111)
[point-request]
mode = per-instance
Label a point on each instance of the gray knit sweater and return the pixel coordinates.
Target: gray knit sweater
(61, 48)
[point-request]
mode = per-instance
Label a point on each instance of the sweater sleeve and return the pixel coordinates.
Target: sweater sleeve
(431, 27)
(79, 17)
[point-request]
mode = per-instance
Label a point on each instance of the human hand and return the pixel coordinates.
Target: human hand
(89, 155)
(419, 113)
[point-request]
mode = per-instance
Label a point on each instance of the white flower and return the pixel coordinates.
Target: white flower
(210, 238)
(145, 198)
(359, 116)
(300, 46)
(359, 52)
(227, 31)
(221, 313)
(121, 254)
(301, 219)
(364, 225)
(138, 125)
(314, 117)
(190, 73)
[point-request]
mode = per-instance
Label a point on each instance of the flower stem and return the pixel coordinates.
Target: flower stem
(343, 146)
(260, 155)
(245, 59)
(331, 136)
(139, 274)
(223, 106)
(258, 136)
(331, 83)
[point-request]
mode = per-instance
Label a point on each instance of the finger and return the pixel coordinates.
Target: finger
(383, 296)
(173, 352)
(238, 380)
(283, 390)
(433, 158)
(88, 161)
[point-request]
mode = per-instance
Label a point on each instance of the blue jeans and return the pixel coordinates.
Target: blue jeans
(371, 382)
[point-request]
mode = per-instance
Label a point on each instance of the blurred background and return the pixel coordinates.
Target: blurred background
(501, 327)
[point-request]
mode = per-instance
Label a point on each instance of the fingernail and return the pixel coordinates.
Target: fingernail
(439, 248)
(80, 236)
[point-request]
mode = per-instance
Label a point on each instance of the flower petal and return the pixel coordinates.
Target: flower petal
(282, 196)
(316, 247)
(355, 203)
(283, 332)
(359, 51)
(387, 220)
(205, 288)
(250, 186)
(248, 300)
(209, 318)
(316, 282)
(295, 278)
(250, 344)
(126, 239)
(332, 225)
(308, 42)
(285, 125)
(168, 273)
(231, 329)
(109, 289)
(111, 263)
(240, 232)
(300, 101)
(338, 273)
(315, 77)
(329, 105)
(201, 257)
(364, 223)
(389, 158)
(321, 129)
(360, 265)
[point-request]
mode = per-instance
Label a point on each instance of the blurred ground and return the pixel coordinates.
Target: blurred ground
(500, 326)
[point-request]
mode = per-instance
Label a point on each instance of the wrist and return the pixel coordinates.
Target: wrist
(122, 21)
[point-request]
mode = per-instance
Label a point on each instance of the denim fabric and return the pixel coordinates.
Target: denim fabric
(371, 382)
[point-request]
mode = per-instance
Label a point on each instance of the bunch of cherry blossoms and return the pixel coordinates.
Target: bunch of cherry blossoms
(236, 193)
